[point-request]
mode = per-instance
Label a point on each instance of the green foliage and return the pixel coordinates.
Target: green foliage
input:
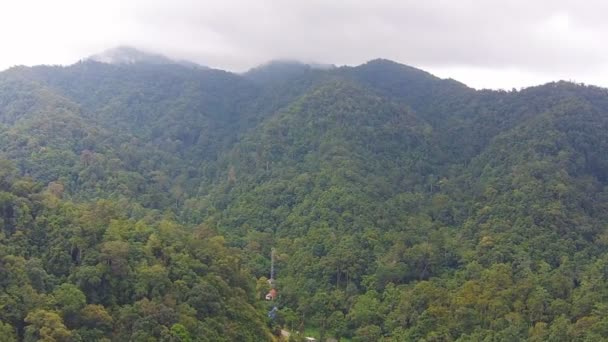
(7, 333)
(107, 277)
(46, 326)
(141, 202)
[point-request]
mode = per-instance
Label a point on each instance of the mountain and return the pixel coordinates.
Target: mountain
(283, 70)
(141, 198)
(130, 55)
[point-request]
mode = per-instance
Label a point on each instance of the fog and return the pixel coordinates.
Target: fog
(495, 44)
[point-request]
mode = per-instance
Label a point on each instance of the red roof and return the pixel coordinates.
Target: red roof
(272, 294)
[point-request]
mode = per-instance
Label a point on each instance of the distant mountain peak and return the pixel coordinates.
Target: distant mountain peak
(387, 64)
(293, 63)
(283, 69)
(130, 55)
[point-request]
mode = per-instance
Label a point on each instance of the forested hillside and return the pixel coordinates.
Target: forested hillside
(141, 201)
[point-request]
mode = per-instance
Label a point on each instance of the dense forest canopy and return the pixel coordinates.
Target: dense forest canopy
(140, 202)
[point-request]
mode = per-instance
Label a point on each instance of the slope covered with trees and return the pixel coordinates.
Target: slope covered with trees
(141, 201)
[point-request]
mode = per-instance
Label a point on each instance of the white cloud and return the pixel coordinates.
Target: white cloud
(484, 43)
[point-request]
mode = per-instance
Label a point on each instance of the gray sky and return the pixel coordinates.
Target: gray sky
(483, 43)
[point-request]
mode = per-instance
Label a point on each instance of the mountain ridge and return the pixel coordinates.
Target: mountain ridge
(400, 206)
(129, 55)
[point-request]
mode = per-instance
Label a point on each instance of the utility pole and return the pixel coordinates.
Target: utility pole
(272, 267)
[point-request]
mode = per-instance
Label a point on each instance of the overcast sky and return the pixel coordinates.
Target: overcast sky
(484, 43)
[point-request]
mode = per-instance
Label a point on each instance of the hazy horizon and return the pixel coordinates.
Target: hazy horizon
(489, 44)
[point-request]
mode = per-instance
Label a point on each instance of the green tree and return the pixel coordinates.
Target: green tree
(46, 326)
(7, 333)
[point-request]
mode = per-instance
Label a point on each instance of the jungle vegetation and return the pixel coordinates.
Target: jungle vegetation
(140, 202)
